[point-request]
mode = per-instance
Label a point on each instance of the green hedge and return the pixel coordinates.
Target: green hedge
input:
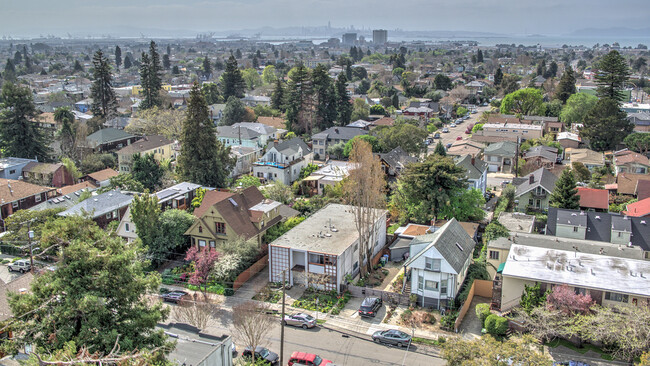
(496, 325)
(482, 312)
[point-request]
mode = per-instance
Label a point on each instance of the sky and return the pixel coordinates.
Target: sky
(34, 17)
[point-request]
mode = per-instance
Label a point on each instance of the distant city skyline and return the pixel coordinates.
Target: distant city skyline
(43, 17)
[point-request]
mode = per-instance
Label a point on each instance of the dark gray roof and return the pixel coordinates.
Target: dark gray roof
(397, 157)
(501, 148)
(175, 191)
(401, 243)
(193, 346)
(65, 201)
(100, 204)
(541, 177)
(291, 146)
(600, 224)
(546, 152)
(573, 218)
(107, 135)
(340, 133)
(236, 132)
(448, 240)
(474, 171)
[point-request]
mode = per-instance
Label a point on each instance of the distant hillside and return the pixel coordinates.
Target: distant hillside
(612, 32)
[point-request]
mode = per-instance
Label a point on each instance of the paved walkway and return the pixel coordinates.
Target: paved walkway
(471, 325)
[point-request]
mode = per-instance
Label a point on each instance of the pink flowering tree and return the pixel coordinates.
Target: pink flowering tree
(565, 299)
(204, 260)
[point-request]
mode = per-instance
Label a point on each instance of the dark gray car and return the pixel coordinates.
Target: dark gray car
(262, 353)
(393, 337)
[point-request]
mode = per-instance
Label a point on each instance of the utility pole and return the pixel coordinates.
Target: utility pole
(284, 294)
(30, 236)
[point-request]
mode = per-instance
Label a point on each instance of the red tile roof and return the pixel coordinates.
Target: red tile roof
(594, 198)
(638, 209)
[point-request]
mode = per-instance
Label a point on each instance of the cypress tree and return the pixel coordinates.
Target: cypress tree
(498, 77)
(104, 102)
(203, 160)
(325, 98)
(565, 194)
(207, 67)
(343, 105)
(127, 62)
(233, 82)
(567, 85)
(19, 136)
(479, 56)
(277, 97)
(150, 78)
(611, 77)
(166, 62)
(118, 57)
(67, 135)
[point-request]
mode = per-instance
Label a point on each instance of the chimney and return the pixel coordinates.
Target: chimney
(531, 180)
(336, 130)
(473, 160)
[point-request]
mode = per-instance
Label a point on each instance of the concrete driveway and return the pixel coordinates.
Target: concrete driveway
(6, 276)
(471, 325)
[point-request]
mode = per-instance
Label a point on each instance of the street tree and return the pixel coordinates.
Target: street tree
(203, 160)
(19, 136)
(232, 81)
(252, 323)
(612, 75)
(565, 194)
(527, 101)
(567, 85)
(577, 107)
(99, 283)
(203, 260)
(364, 190)
(104, 103)
(147, 171)
(486, 350)
(343, 105)
(605, 125)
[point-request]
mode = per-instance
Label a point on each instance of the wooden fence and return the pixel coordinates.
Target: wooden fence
(250, 272)
(390, 298)
(479, 288)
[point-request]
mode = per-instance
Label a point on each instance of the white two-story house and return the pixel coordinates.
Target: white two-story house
(283, 162)
(438, 263)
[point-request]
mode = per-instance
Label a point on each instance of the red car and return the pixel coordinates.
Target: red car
(302, 358)
(459, 138)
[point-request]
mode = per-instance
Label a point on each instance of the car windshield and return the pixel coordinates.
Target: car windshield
(317, 360)
(264, 352)
(308, 317)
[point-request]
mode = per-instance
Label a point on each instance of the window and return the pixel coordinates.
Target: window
(126, 227)
(201, 243)
(220, 227)
(12, 171)
(432, 264)
(316, 258)
(431, 285)
(14, 204)
(494, 255)
(580, 291)
(443, 287)
(619, 234)
(531, 202)
(200, 229)
(575, 229)
(356, 247)
(37, 198)
(612, 296)
(108, 215)
(212, 244)
(420, 283)
(355, 266)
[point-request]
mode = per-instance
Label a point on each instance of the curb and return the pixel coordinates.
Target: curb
(435, 353)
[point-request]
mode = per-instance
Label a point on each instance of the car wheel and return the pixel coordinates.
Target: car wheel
(22, 270)
(284, 322)
(304, 326)
(376, 340)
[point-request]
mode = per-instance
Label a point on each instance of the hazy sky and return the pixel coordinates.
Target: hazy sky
(33, 17)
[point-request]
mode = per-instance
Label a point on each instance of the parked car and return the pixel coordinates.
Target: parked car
(300, 320)
(370, 306)
(448, 145)
(452, 125)
(468, 131)
(392, 336)
(262, 353)
(474, 111)
(436, 136)
(459, 138)
(303, 358)
(174, 296)
(21, 265)
(505, 183)
(445, 130)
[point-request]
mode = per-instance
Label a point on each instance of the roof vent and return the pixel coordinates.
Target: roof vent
(592, 272)
(95, 199)
(574, 214)
(643, 222)
(597, 217)
(459, 247)
(629, 244)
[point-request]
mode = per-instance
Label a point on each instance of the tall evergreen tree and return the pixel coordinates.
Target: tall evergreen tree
(77, 67)
(169, 50)
(127, 62)
(611, 77)
(605, 125)
(104, 101)
(256, 62)
(498, 77)
(565, 194)
(203, 160)
(299, 101)
(150, 78)
(325, 98)
(19, 136)
(207, 67)
(147, 171)
(343, 105)
(166, 62)
(238, 54)
(479, 56)
(10, 71)
(18, 58)
(567, 85)
(118, 57)
(277, 97)
(67, 135)
(233, 81)
(440, 150)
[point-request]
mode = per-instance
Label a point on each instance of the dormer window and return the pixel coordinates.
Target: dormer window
(200, 229)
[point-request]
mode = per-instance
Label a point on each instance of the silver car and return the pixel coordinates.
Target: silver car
(300, 320)
(21, 265)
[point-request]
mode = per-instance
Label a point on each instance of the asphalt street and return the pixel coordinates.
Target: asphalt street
(459, 130)
(345, 350)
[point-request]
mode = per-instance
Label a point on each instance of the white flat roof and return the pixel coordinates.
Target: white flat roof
(311, 234)
(601, 272)
(266, 206)
(512, 125)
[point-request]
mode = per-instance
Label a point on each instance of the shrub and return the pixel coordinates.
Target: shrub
(228, 292)
(496, 325)
(448, 321)
(406, 315)
(482, 312)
